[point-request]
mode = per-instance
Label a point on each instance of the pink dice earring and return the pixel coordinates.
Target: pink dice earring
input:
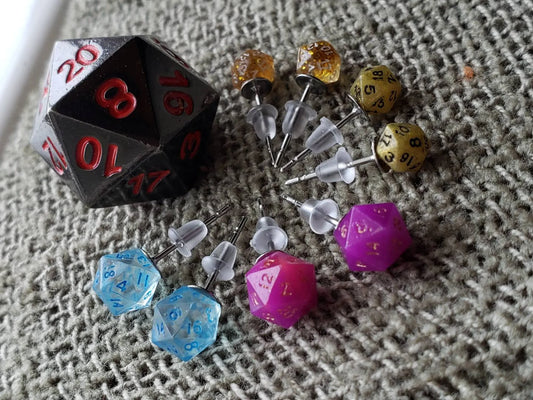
(371, 236)
(281, 288)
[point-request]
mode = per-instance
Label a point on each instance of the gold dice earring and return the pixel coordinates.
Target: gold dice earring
(401, 147)
(375, 90)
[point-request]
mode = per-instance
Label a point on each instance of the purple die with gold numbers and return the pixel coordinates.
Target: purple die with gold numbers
(123, 119)
(372, 236)
(281, 288)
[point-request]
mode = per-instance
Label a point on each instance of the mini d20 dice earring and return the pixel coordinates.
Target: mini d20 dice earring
(126, 281)
(186, 322)
(400, 148)
(375, 89)
(318, 65)
(371, 236)
(253, 74)
(281, 288)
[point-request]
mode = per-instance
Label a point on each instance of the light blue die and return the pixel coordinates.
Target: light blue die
(186, 322)
(126, 281)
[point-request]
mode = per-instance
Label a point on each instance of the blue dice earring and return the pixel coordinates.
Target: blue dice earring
(126, 281)
(186, 321)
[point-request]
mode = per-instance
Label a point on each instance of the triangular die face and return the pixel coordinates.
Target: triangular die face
(45, 142)
(116, 97)
(358, 224)
(155, 178)
(160, 330)
(73, 60)
(192, 140)
(165, 48)
(294, 282)
(263, 282)
(381, 213)
(178, 95)
(98, 157)
(189, 148)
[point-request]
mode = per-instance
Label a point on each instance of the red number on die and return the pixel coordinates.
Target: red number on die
(190, 145)
(138, 180)
(57, 158)
(96, 157)
(79, 59)
(121, 104)
(110, 164)
(176, 102)
(157, 177)
(177, 80)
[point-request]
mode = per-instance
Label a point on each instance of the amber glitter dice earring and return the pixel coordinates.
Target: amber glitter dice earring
(126, 281)
(318, 65)
(376, 90)
(281, 288)
(253, 74)
(371, 236)
(400, 148)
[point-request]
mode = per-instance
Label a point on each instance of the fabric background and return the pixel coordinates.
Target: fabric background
(452, 318)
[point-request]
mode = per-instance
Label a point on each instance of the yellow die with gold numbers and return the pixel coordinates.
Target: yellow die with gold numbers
(403, 147)
(250, 65)
(320, 60)
(376, 89)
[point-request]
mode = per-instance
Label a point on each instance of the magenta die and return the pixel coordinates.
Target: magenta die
(281, 288)
(372, 236)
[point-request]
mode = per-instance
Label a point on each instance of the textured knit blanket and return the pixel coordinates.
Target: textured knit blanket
(451, 319)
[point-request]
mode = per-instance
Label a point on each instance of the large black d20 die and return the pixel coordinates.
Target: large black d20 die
(123, 119)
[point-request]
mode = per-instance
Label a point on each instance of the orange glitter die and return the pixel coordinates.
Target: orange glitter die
(320, 60)
(252, 64)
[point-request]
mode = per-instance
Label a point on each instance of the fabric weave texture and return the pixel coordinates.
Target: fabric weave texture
(451, 319)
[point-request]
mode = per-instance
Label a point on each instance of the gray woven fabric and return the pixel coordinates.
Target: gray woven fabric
(451, 319)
